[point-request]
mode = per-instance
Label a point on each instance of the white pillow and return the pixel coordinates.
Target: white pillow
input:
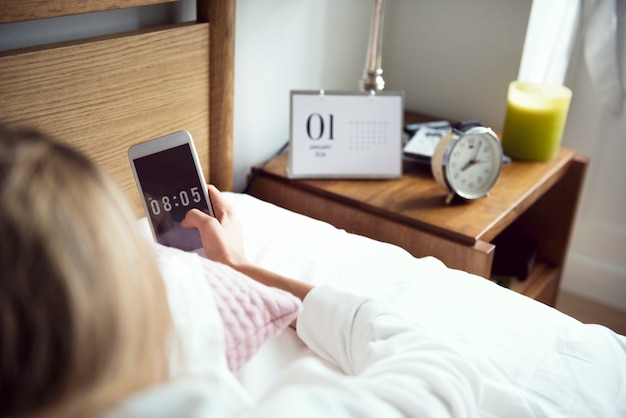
(249, 313)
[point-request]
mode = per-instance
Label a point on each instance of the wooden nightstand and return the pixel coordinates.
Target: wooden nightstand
(532, 200)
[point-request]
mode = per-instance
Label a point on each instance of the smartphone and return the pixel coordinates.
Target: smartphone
(170, 181)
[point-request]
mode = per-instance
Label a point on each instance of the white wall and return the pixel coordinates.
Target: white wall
(283, 45)
(452, 58)
(597, 259)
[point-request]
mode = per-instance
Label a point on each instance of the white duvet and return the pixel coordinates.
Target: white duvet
(533, 360)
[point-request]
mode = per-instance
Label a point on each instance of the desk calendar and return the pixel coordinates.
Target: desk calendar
(345, 135)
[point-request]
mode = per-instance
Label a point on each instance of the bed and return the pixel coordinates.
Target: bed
(106, 93)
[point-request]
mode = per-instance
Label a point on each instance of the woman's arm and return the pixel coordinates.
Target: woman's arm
(223, 242)
(393, 368)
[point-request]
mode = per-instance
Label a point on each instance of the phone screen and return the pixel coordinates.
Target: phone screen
(171, 187)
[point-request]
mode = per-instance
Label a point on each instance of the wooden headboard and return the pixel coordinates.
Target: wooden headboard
(106, 93)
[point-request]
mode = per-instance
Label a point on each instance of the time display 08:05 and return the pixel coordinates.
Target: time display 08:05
(167, 203)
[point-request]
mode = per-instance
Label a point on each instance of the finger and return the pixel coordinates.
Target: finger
(221, 208)
(194, 219)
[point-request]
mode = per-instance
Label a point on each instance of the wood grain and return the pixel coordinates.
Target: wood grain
(221, 15)
(417, 200)
(17, 11)
(104, 95)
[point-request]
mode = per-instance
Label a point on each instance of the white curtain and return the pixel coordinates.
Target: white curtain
(550, 37)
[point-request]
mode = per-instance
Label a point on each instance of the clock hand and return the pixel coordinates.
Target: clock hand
(473, 160)
(480, 144)
(468, 165)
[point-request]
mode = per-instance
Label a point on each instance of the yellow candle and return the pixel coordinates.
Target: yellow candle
(535, 119)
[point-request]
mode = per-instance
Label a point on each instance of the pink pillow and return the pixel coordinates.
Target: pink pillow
(251, 312)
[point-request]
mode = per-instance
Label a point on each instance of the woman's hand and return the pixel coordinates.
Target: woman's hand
(221, 235)
(222, 240)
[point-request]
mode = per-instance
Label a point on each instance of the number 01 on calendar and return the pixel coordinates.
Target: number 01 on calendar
(346, 134)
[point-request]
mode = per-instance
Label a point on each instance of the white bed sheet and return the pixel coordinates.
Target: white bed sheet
(529, 354)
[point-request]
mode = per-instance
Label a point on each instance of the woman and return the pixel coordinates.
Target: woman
(69, 249)
(86, 328)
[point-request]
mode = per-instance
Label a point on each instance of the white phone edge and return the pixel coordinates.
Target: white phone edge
(162, 143)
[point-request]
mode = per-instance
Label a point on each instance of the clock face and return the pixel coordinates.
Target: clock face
(473, 164)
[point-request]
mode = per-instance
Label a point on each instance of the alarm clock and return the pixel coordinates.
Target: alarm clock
(467, 163)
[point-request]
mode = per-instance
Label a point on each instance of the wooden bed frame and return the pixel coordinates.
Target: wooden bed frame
(106, 93)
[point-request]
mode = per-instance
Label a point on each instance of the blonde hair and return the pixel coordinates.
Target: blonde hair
(84, 319)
